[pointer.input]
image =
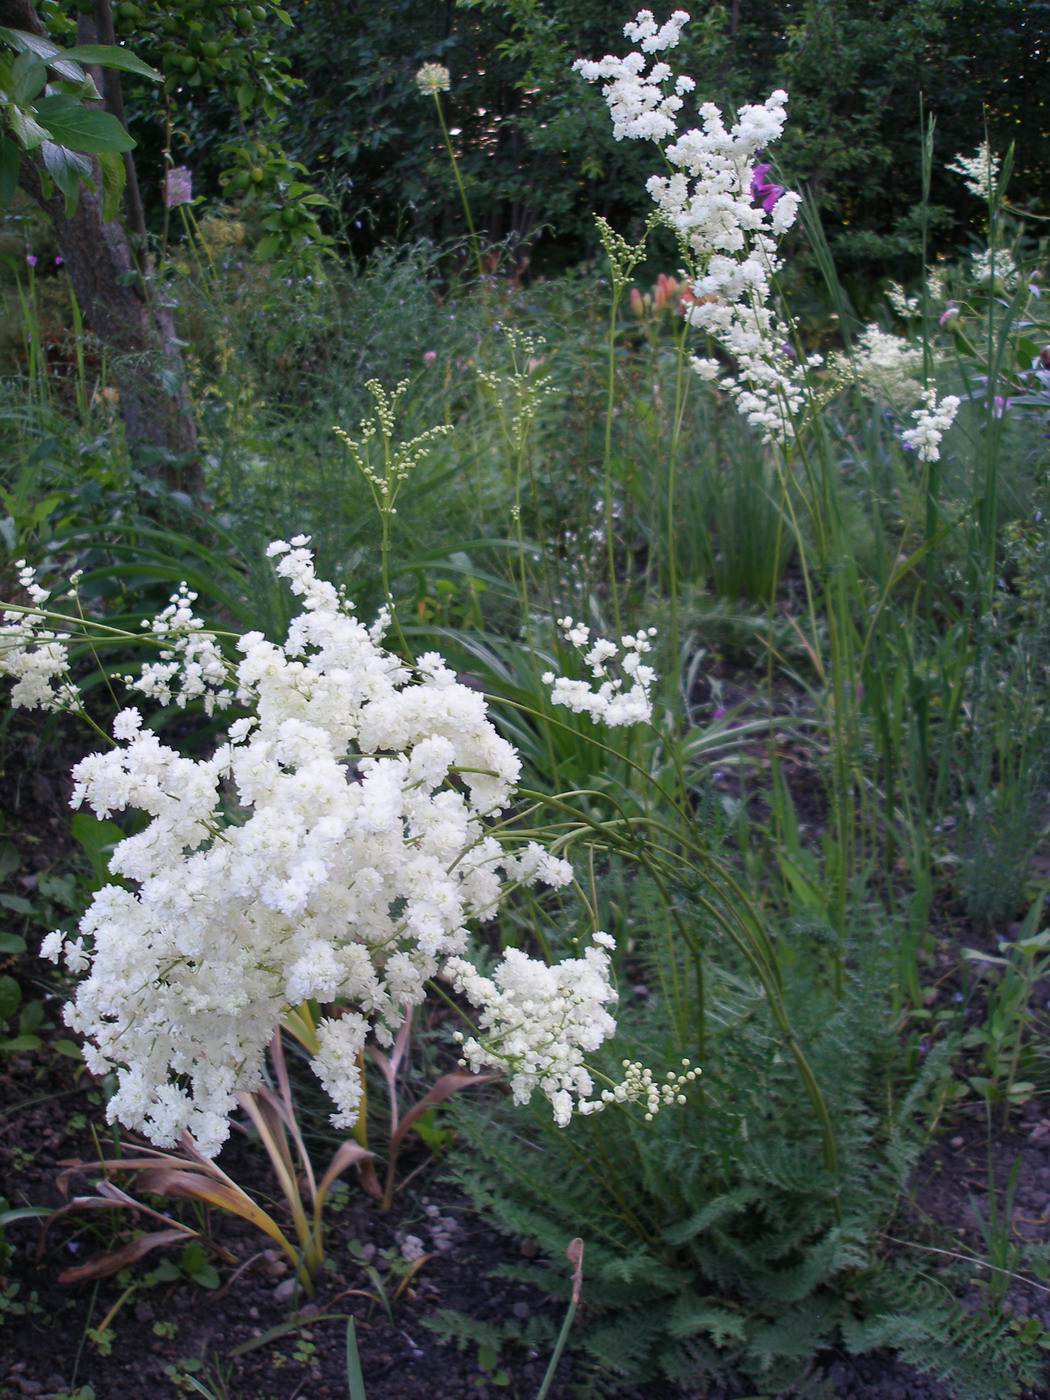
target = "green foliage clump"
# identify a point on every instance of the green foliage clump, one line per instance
(719, 1249)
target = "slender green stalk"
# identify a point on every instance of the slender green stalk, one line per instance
(474, 244)
(575, 1253)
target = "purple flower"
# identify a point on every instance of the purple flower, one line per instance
(58, 259)
(31, 259)
(178, 186)
(763, 191)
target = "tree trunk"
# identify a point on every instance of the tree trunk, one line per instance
(143, 352)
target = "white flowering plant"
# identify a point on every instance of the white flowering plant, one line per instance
(726, 215)
(330, 852)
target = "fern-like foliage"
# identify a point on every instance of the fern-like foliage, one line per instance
(719, 1249)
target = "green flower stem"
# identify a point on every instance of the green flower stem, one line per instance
(475, 245)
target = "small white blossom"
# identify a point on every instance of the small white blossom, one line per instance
(538, 1022)
(33, 654)
(905, 306)
(933, 420)
(191, 666)
(609, 702)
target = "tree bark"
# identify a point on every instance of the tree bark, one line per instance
(139, 338)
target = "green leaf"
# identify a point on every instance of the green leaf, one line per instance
(96, 839)
(17, 903)
(82, 128)
(10, 996)
(31, 1017)
(114, 176)
(12, 943)
(68, 169)
(112, 56)
(8, 171)
(28, 77)
(22, 42)
(26, 128)
(207, 1276)
(1027, 351)
(67, 1047)
(19, 1042)
(267, 247)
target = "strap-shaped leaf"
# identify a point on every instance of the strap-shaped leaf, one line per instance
(104, 1264)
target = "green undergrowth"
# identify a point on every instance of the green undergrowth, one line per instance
(719, 1250)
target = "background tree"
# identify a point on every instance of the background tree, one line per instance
(535, 147)
(73, 158)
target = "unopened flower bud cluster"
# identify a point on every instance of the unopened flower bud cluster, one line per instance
(333, 847)
(609, 703)
(639, 1086)
(727, 219)
(398, 459)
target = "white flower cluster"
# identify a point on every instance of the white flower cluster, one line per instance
(610, 703)
(908, 307)
(988, 268)
(932, 421)
(726, 216)
(883, 365)
(333, 848)
(33, 654)
(433, 78)
(980, 171)
(639, 107)
(191, 666)
(539, 1022)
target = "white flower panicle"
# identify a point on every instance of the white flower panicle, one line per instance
(726, 215)
(980, 171)
(33, 654)
(192, 665)
(991, 267)
(884, 366)
(640, 109)
(610, 703)
(908, 307)
(333, 847)
(538, 1022)
(932, 421)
